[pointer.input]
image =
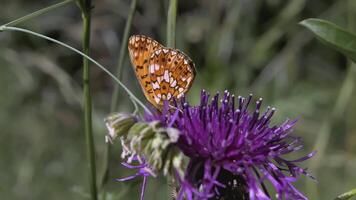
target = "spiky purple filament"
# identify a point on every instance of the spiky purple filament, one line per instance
(143, 170)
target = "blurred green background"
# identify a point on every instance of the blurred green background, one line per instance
(244, 46)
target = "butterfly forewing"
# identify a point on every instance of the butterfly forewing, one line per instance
(140, 49)
(163, 73)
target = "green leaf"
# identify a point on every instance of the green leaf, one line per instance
(333, 36)
(347, 195)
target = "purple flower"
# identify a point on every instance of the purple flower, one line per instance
(233, 151)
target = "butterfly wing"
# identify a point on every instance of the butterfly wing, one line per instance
(140, 50)
(163, 73)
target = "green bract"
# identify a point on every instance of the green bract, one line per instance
(119, 124)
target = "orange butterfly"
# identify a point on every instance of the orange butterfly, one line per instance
(163, 73)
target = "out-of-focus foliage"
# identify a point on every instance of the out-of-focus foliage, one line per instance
(245, 46)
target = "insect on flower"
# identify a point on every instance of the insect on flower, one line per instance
(163, 73)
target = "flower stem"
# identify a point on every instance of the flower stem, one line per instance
(171, 23)
(340, 106)
(37, 13)
(115, 96)
(88, 128)
(122, 54)
(171, 38)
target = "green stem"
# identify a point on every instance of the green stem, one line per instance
(171, 37)
(324, 133)
(171, 23)
(105, 173)
(129, 93)
(343, 98)
(115, 96)
(122, 55)
(88, 127)
(37, 13)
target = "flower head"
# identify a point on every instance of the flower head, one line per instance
(233, 151)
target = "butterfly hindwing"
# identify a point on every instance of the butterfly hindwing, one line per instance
(183, 72)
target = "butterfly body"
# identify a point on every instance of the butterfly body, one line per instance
(163, 73)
